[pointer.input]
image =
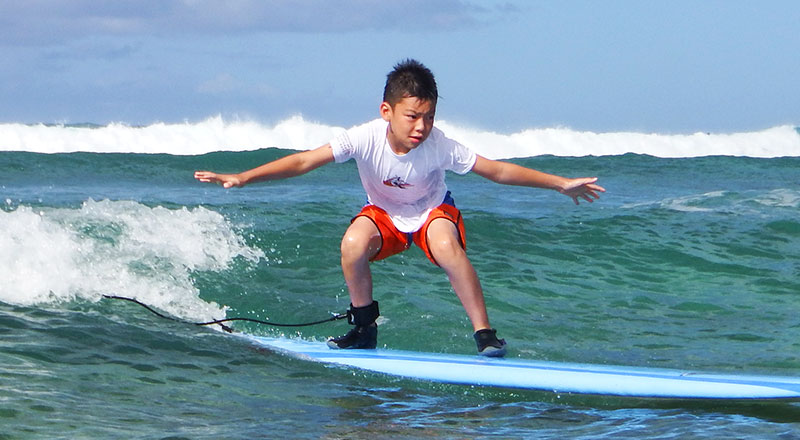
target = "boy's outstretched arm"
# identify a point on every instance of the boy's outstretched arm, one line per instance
(289, 166)
(511, 174)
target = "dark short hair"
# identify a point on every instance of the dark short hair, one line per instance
(410, 78)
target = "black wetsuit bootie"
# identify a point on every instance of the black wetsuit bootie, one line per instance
(488, 344)
(365, 333)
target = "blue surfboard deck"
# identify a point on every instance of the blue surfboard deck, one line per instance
(543, 375)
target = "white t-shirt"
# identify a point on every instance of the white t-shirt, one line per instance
(406, 186)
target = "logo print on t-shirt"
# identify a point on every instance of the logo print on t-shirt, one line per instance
(397, 182)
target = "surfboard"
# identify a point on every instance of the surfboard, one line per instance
(557, 377)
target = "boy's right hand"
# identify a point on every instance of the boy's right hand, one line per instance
(226, 180)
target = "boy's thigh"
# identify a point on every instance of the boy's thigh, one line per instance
(444, 227)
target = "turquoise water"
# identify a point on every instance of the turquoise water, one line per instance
(684, 263)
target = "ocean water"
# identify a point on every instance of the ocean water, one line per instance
(691, 260)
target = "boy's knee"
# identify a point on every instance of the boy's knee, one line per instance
(445, 247)
(357, 246)
(443, 241)
(352, 244)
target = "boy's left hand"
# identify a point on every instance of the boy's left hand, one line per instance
(583, 188)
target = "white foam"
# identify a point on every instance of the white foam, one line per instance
(774, 142)
(213, 134)
(781, 198)
(217, 134)
(744, 203)
(115, 247)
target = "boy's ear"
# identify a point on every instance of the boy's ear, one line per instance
(386, 111)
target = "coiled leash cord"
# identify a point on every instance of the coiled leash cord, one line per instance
(219, 322)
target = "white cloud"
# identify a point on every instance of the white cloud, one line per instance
(34, 22)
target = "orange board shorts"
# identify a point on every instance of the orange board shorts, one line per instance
(394, 241)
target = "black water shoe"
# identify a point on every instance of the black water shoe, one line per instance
(488, 344)
(359, 337)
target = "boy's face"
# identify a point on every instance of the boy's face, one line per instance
(410, 122)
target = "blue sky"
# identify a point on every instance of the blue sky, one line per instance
(651, 66)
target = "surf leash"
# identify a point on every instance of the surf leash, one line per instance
(220, 322)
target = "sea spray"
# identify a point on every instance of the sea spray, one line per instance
(217, 134)
(212, 134)
(774, 142)
(53, 255)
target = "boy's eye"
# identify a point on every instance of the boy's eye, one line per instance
(426, 117)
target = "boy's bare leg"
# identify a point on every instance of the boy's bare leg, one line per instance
(446, 249)
(361, 241)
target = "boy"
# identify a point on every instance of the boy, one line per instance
(401, 160)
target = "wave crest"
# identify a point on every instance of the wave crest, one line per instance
(217, 134)
(53, 255)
